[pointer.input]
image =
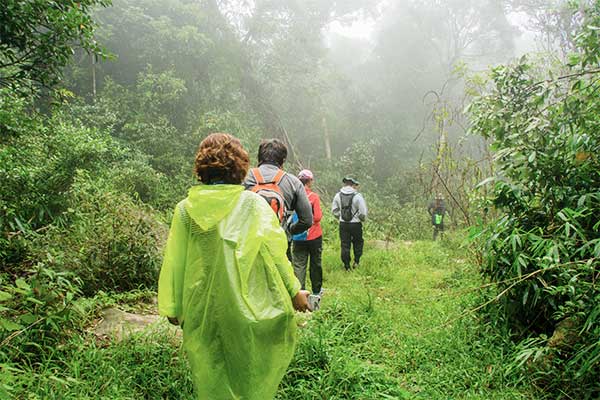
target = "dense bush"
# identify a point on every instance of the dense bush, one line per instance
(37, 311)
(142, 118)
(390, 220)
(108, 240)
(544, 252)
(38, 161)
(135, 177)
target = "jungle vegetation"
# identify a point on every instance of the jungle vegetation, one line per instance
(493, 104)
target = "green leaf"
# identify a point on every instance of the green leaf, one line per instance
(5, 296)
(597, 250)
(574, 59)
(28, 318)
(9, 325)
(34, 300)
(19, 224)
(22, 284)
(486, 181)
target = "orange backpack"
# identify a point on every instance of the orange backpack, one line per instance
(271, 192)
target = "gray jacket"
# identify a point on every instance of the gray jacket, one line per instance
(294, 196)
(359, 205)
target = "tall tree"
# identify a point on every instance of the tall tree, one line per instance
(37, 39)
(281, 50)
(556, 22)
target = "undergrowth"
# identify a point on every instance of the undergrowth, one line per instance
(396, 328)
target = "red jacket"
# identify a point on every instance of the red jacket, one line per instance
(315, 231)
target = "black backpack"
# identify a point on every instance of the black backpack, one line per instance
(346, 205)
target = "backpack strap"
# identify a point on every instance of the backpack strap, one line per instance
(350, 195)
(278, 177)
(258, 176)
(260, 180)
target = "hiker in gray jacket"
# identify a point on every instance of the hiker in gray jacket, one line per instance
(272, 153)
(350, 207)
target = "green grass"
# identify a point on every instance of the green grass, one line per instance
(396, 328)
(388, 330)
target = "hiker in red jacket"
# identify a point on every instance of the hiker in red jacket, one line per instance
(309, 244)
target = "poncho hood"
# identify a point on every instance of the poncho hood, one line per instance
(207, 205)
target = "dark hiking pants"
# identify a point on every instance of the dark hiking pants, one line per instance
(302, 251)
(351, 235)
(438, 228)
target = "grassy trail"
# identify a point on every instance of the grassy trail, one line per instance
(383, 333)
(393, 329)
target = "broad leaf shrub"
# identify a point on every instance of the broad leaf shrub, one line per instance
(135, 177)
(108, 240)
(544, 251)
(38, 314)
(38, 160)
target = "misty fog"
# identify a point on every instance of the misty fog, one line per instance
(367, 72)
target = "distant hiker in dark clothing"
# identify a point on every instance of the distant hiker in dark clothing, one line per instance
(309, 244)
(437, 210)
(284, 192)
(350, 208)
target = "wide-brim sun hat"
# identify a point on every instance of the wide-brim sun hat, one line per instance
(351, 180)
(306, 174)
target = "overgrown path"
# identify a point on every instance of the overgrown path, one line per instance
(400, 327)
(396, 328)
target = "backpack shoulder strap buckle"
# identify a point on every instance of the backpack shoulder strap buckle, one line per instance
(278, 176)
(260, 180)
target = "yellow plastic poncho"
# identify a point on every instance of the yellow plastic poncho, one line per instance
(227, 279)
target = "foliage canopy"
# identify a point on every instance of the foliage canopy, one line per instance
(37, 39)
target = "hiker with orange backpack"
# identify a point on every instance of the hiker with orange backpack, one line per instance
(284, 192)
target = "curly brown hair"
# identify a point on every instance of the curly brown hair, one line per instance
(221, 158)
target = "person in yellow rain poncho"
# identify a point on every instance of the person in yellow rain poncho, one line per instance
(227, 281)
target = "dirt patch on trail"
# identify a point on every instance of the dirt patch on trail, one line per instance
(382, 244)
(118, 324)
(389, 245)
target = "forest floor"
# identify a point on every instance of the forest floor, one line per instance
(398, 327)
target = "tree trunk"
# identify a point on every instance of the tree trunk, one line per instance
(94, 77)
(252, 90)
(326, 138)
